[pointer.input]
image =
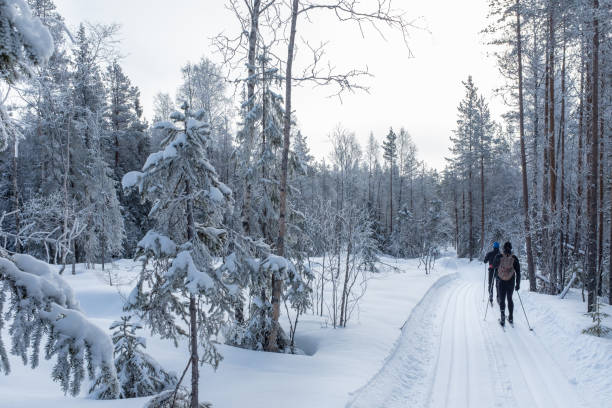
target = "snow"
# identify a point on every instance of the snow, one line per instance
(177, 116)
(215, 194)
(275, 264)
(157, 243)
(449, 356)
(73, 324)
(372, 363)
(165, 125)
(225, 189)
(31, 29)
(196, 279)
(38, 279)
(195, 125)
(169, 152)
(57, 307)
(131, 179)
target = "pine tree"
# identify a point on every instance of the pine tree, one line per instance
(91, 184)
(178, 273)
(127, 146)
(390, 154)
(138, 373)
(463, 148)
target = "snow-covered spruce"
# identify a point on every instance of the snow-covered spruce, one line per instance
(24, 41)
(138, 373)
(41, 304)
(257, 214)
(179, 280)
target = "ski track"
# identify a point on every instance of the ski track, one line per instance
(463, 361)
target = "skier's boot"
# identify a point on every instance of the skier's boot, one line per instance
(491, 300)
(510, 320)
(502, 320)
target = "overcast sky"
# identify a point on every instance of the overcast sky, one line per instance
(421, 93)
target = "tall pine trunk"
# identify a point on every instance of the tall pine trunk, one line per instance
(552, 174)
(593, 143)
(482, 202)
(16, 206)
(564, 222)
(277, 283)
(530, 266)
(579, 176)
(251, 57)
(391, 197)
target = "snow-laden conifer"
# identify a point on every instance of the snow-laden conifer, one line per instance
(180, 279)
(138, 373)
(41, 306)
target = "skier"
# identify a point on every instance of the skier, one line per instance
(508, 273)
(490, 257)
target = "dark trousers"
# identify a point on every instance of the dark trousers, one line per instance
(490, 283)
(505, 289)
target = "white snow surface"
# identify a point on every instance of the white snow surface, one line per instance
(449, 356)
(445, 355)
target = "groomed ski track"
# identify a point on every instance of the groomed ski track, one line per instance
(448, 356)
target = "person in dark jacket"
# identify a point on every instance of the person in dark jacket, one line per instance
(508, 273)
(490, 257)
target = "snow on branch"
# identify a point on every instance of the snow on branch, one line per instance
(40, 302)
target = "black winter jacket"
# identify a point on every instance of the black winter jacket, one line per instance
(490, 257)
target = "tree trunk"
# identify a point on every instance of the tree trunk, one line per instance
(471, 215)
(276, 283)
(463, 216)
(391, 197)
(16, 206)
(579, 175)
(251, 58)
(456, 218)
(482, 201)
(552, 173)
(565, 224)
(600, 245)
(530, 266)
(346, 278)
(593, 142)
(322, 284)
(551, 118)
(193, 340)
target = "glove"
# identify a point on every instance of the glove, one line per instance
(517, 287)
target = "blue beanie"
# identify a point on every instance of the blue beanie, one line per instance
(496, 244)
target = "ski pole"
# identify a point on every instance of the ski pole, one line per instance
(484, 283)
(523, 307)
(486, 310)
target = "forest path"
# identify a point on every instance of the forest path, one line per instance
(448, 356)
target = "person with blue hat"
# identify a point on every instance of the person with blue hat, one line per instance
(490, 257)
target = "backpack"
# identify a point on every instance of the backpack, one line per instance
(506, 268)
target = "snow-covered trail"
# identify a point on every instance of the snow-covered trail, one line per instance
(448, 356)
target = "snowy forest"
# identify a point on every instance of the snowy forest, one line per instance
(205, 253)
